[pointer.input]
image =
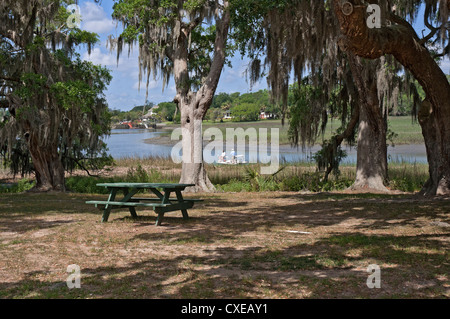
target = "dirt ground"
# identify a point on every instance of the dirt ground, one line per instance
(235, 245)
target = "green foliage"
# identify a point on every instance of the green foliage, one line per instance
(138, 174)
(221, 102)
(77, 37)
(214, 114)
(235, 185)
(308, 115)
(32, 84)
(248, 24)
(55, 100)
(310, 182)
(166, 111)
(245, 112)
(222, 99)
(22, 186)
(130, 34)
(260, 98)
(193, 5)
(88, 185)
(293, 178)
(141, 175)
(74, 94)
(329, 156)
(313, 182)
(407, 177)
(177, 118)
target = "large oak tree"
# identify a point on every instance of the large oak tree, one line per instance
(316, 35)
(186, 40)
(398, 38)
(301, 35)
(54, 100)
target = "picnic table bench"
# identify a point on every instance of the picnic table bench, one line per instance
(161, 205)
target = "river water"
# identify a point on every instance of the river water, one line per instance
(131, 143)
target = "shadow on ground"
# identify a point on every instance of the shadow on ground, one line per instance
(238, 246)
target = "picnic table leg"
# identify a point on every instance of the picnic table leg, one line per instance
(159, 218)
(180, 200)
(126, 198)
(166, 197)
(107, 210)
(165, 200)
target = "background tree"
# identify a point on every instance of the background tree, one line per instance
(167, 111)
(57, 111)
(221, 99)
(214, 114)
(174, 41)
(302, 36)
(245, 112)
(397, 37)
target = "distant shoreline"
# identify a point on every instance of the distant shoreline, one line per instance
(406, 132)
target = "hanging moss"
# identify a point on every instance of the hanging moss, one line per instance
(55, 100)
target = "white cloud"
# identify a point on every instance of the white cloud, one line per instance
(98, 57)
(103, 56)
(95, 19)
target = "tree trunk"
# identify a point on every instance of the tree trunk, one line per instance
(438, 150)
(47, 166)
(371, 166)
(371, 163)
(402, 42)
(193, 167)
(194, 105)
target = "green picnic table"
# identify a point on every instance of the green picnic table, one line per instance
(161, 204)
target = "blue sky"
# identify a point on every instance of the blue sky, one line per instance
(123, 93)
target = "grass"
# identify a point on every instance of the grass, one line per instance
(406, 129)
(234, 246)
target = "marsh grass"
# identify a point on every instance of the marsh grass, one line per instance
(293, 177)
(301, 176)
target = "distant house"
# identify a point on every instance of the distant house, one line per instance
(266, 116)
(151, 113)
(227, 115)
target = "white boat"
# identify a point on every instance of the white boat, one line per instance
(239, 159)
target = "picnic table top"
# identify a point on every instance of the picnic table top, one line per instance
(145, 185)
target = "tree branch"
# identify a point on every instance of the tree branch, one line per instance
(82, 167)
(401, 42)
(206, 93)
